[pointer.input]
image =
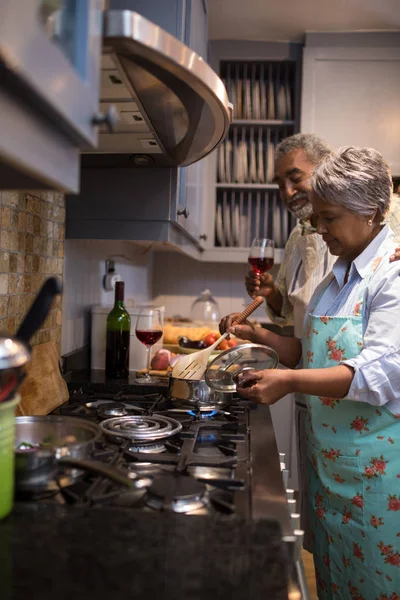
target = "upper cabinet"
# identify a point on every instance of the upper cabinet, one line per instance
(351, 91)
(50, 61)
(241, 201)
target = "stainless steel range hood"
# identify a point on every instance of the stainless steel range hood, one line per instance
(173, 108)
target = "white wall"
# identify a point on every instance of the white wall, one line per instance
(178, 280)
(84, 268)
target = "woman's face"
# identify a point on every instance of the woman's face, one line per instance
(345, 233)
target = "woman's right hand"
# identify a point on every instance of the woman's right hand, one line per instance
(244, 331)
(259, 284)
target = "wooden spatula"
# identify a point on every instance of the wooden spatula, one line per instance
(193, 366)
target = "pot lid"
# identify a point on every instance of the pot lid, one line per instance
(173, 108)
(221, 372)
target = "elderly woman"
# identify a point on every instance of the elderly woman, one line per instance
(350, 375)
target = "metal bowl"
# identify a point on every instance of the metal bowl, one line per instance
(66, 437)
(197, 394)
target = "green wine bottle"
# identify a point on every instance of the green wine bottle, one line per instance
(118, 337)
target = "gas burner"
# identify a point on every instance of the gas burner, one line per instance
(141, 429)
(180, 494)
(204, 414)
(112, 409)
(155, 448)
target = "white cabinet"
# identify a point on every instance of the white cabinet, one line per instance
(351, 91)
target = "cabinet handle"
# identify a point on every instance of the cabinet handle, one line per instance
(203, 236)
(184, 211)
(109, 118)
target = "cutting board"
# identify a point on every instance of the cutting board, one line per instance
(43, 388)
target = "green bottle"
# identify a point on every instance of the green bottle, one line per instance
(118, 337)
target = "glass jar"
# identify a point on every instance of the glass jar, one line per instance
(205, 309)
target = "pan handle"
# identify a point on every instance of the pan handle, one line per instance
(98, 468)
(39, 310)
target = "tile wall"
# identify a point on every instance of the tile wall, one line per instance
(32, 235)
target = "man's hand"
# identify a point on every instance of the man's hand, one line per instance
(259, 285)
(244, 331)
(395, 256)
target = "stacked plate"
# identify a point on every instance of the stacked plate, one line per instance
(242, 216)
(248, 156)
(259, 94)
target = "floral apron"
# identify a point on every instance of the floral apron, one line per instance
(354, 472)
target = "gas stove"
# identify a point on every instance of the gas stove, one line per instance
(214, 462)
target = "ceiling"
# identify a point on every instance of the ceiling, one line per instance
(288, 20)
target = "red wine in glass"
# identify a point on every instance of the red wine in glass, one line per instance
(261, 255)
(148, 338)
(149, 329)
(261, 265)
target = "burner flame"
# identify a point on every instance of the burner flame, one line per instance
(209, 414)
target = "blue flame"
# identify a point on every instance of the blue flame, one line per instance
(203, 414)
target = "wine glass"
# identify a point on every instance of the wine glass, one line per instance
(149, 329)
(261, 255)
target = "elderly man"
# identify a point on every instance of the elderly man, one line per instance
(306, 262)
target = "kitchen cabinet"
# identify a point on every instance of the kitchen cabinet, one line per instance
(240, 200)
(184, 19)
(351, 90)
(50, 57)
(141, 205)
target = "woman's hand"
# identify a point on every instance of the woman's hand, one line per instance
(259, 284)
(265, 387)
(245, 331)
(395, 256)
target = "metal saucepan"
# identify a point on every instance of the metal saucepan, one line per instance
(65, 446)
(15, 351)
(197, 394)
(222, 376)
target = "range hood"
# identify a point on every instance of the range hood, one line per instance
(173, 108)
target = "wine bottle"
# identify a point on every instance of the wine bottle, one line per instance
(118, 337)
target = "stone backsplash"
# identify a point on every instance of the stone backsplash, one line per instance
(32, 231)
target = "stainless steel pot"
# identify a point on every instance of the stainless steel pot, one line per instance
(36, 470)
(67, 437)
(197, 394)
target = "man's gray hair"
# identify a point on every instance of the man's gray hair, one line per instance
(357, 178)
(313, 147)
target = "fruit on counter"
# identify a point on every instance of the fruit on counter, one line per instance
(211, 338)
(172, 333)
(160, 360)
(163, 359)
(185, 342)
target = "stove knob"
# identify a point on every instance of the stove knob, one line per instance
(295, 517)
(290, 494)
(292, 506)
(282, 456)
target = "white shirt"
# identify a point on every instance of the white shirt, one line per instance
(305, 263)
(377, 367)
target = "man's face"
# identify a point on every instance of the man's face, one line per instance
(292, 173)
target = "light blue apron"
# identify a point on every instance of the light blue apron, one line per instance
(354, 472)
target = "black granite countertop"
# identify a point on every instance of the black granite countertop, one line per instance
(52, 552)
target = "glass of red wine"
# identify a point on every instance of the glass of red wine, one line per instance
(149, 329)
(261, 255)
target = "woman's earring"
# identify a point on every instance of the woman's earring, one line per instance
(369, 222)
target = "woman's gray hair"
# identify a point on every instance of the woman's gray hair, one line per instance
(313, 147)
(357, 178)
